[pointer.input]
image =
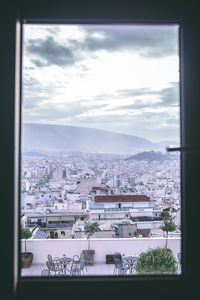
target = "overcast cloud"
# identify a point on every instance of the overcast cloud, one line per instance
(148, 41)
(50, 52)
(118, 78)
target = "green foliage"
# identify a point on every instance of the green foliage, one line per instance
(168, 225)
(25, 233)
(158, 261)
(165, 215)
(90, 228)
(43, 224)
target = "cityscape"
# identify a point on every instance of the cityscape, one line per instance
(126, 196)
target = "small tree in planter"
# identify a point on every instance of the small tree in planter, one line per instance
(168, 226)
(27, 257)
(90, 228)
(156, 261)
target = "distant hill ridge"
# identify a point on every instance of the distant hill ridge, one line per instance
(150, 156)
(43, 137)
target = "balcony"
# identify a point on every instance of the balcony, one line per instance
(70, 247)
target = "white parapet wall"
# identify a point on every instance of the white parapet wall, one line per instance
(70, 247)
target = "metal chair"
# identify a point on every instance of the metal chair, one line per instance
(54, 265)
(179, 256)
(76, 258)
(45, 272)
(121, 268)
(83, 258)
(179, 259)
(131, 260)
(116, 256)
(77, 268)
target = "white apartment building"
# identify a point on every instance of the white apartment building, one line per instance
(122, 206)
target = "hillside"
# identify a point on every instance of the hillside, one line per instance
(150, 156)
(42, 137)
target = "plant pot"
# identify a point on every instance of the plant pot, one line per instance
(89, 257)
(26, 259)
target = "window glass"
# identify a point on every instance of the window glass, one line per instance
(100, 106)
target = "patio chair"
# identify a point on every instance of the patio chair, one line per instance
(83, 258)
(77, 268)
(76, 258)
(54, 265)
(179, 256)
(45, 272)
(179, 259)
(131, 260)
(121, 268)
(116, 256)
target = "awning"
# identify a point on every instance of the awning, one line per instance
(53, 218)
(164, 206)
(67, 218)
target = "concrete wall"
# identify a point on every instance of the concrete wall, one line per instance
(71, 247)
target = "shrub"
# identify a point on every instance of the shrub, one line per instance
(156, 261)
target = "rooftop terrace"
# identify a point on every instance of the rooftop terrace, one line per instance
(70, 247)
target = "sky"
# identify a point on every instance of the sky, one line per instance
(121, 78)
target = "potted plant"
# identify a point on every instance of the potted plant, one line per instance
(168, 226)
(26, 257)
(156, 261)
(90, 228)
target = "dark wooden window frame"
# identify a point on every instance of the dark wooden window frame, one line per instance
(126, 12)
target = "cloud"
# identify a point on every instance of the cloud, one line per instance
(136, 92)
(148, 41)
(170, 96)
(53, 29)
(167, 97)
(141, 111)
(39, 63)
(50, 52)
(55, 111)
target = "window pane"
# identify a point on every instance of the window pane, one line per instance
(100, 106)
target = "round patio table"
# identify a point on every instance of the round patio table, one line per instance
(65, 261)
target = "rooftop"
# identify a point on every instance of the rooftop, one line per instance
(102, 247)
(96, 269)
(122, 198)
(99, 188)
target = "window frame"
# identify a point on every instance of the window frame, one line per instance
(189, 136)
(93, 278)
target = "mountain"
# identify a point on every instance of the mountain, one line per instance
(42, 137)
(150, 156)
(34, 154)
